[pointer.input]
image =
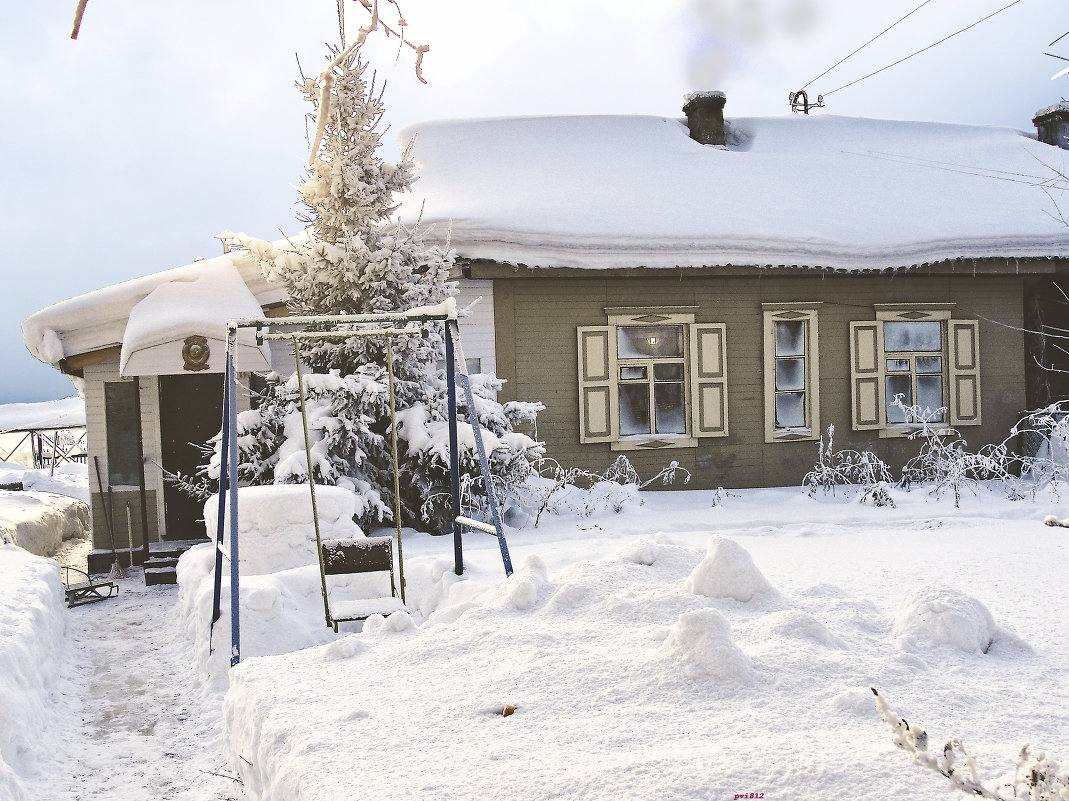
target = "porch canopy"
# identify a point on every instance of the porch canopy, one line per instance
(180, 327)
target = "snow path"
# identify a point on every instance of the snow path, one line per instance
(130, 721)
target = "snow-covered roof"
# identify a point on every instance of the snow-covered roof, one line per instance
(48, 415)
(835, 192)
(176, 310)
(99, 319)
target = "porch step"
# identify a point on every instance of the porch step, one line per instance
(161, 566)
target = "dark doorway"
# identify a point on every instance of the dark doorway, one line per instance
(191, 409)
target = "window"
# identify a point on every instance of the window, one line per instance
(920, 356)
(121, 421)
(792, 408)
(652, 378)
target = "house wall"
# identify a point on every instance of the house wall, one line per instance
(537, 317)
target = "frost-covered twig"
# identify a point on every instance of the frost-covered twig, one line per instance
(1043, 780)
(325, 81)
(857, 468)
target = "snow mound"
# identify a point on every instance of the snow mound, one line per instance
(796, 625)
(934, 616)
(275, 527)
(31, 636)
(700, 643)
(281, 597)
(40, 522)
(525, 588)
(396, 622)
(727, 571)
(641, 552)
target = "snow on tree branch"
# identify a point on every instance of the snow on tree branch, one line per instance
(1043, 780)
(325, 82)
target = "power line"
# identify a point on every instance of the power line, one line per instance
(870, 41)
(923, 49)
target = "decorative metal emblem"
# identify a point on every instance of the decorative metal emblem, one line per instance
(195, 353)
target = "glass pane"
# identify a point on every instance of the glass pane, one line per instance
(790, 374)
(929, 364)
(671, 418)
(643, 341)
(897, 365)
(634, 409)
(790, 410)
(915, 336)
(672, 371)
(898, 385)
(930, 395)
(790, 338)
(632, 373)
(120, 414)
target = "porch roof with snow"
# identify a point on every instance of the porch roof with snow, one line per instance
(142, 319)
(600, 192)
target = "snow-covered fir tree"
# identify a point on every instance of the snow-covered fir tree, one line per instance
(354, 258)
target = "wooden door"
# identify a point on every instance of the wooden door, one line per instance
(191, 409)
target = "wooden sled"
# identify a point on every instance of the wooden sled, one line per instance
(79, 587)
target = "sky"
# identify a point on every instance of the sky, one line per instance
(122, 153)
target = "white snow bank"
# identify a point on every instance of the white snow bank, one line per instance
(39, 522)
(280, 612)
(607, 709)
(281, 600)
(933, 616)
(728, 571)
(31, 632)
(275, 526)
(44, 416)
(700, 642)
(628, 191)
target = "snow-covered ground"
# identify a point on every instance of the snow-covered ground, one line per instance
(678, 650)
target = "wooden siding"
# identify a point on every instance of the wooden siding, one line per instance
(537, 318)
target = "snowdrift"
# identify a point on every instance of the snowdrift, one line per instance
(31, 636)
(281, 601)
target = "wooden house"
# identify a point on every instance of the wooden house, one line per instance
(718, 292)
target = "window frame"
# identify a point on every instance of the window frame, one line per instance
(960, 367)
(704, 378)
(807, 313)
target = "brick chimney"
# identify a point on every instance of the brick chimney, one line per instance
(1052, 124)
(705, 117)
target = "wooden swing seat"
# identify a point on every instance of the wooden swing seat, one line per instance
(81, 589)
(354, 556)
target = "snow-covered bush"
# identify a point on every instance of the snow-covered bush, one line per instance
(577, 490)
(1045, 435)
(356, 259)
(1042, 780)
(944, 462)
(863, 469)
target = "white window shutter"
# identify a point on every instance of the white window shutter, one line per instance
(597, 383)
(866, 375)
(964, 372)
(708, 380)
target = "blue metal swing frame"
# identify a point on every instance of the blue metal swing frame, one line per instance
(228, 459)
